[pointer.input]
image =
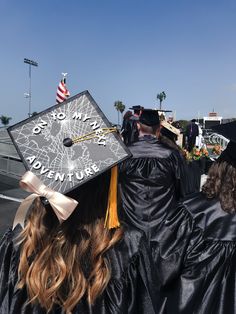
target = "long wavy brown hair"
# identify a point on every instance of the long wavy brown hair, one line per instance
(221, 183)
(62, 263)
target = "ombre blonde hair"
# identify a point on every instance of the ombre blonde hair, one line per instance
(221, 184)
(61, 264)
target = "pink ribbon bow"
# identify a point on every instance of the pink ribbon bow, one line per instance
(62, 205)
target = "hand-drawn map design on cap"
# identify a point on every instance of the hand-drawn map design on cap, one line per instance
(69, 143)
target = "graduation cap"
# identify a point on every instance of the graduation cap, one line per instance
(138, 107)
(149, 117)
(69, 143)
(169, 130)
(170, 127)
(228, 130)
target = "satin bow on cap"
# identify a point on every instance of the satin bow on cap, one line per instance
(62, 205)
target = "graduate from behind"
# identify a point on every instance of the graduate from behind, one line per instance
(152, 181)
(70, 253)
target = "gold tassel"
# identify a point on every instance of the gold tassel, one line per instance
(112, 220)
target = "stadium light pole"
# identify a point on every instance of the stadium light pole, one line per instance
(29, 94)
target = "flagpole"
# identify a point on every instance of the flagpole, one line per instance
(29, 95)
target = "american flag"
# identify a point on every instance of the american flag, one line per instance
(62, 91)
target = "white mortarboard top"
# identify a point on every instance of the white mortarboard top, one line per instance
(170, 127)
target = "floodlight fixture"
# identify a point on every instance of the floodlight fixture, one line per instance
(30, 62)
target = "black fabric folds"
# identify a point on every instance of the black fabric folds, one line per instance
(151, 184)
(193, 176)
(132, 288)
(196, 259)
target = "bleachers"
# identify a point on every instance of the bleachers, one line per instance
(10, 162)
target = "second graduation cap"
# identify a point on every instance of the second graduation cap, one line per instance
(68, 144)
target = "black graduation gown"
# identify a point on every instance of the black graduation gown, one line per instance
(129, 131)
(196, 259)
(132, 288)
(151, 183)
(192, 131)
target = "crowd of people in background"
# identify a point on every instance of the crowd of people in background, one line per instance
(191, 233)
(192, 135)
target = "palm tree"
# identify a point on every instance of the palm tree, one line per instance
(120, 107)
(5, 120)
(161, 97)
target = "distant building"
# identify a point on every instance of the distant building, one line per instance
(212, 119)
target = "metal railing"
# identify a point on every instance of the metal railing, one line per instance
(10, 162)
(11, 167)
(218, 139)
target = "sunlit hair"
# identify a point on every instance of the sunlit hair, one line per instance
(60, 264)
(221, 183)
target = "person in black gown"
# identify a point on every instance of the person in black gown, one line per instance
(151, 182)
(129, 129)
(126, 127)
(192, 131)
(78, 266)
(196, 254)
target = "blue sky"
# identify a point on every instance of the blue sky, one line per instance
(126, 50)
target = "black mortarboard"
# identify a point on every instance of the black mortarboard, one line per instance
(228, 130)
(136, 108)
(69, 143)
(149, 117)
